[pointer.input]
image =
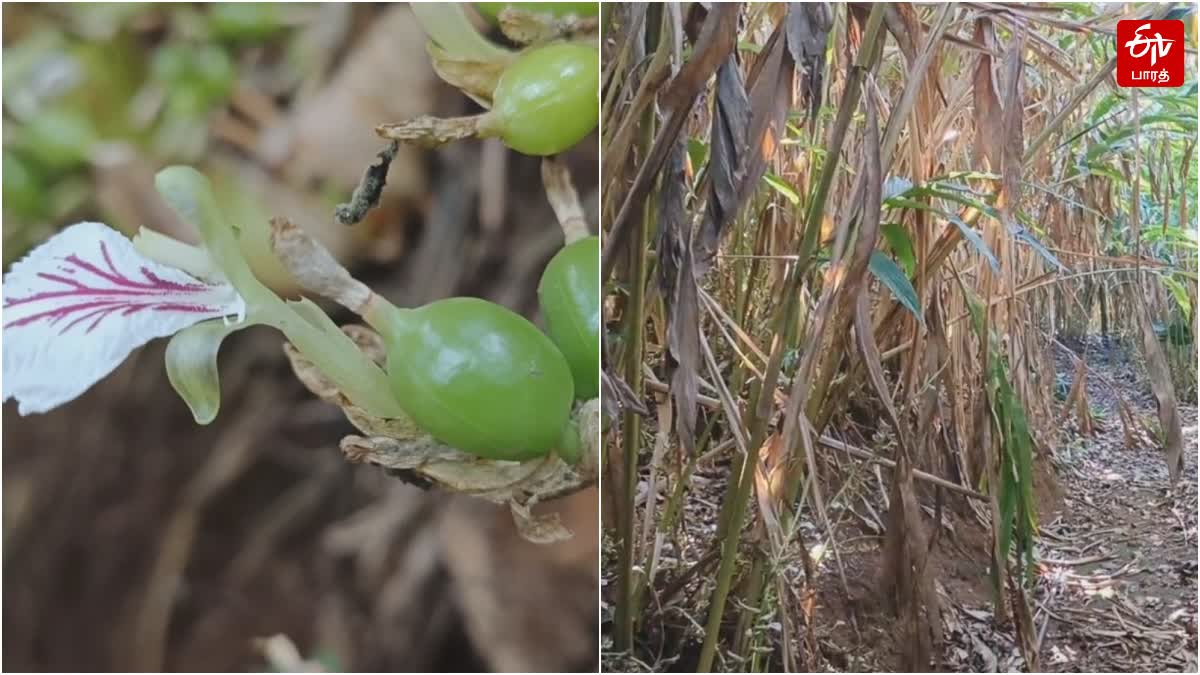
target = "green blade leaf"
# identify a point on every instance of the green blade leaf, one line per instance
(972, 236)
(1179, 292)
(890, 275)
(697, 152)
(1024, 236)
(786, 191)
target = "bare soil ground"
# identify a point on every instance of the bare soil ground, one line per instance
(1116, 587)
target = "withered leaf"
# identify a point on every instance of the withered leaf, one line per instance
(715, 44)
(988, 124)
(727, 141)
(1012, 117)
(677, 281)
(808, 25)
(618, 396)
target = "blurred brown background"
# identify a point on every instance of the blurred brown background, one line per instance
(135, 539)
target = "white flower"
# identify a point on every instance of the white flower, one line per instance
(76, 306)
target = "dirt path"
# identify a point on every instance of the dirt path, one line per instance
(1123, 594)
(1117, 578)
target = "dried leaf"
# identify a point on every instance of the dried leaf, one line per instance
(1012, 118)
(1164, 394)
(677, 281)
(618, 395)
(808, 26)
(715, 43)
(547, 529)
(398, 445)
(726, 171)
(477, 79)
(769, 487)
(988, 125)
(713, 46)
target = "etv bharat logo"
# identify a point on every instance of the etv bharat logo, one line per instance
(1150, 53)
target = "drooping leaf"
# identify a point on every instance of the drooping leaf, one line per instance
(1012, 119)
(1026, 237)
(77, 305)
(726, 163)
(713, 46)
(976, 240)
(715, 42)
(677, 284)
(890, 275)
(988, 124)
(808, 27)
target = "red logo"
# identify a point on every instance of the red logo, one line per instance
(1150, 53)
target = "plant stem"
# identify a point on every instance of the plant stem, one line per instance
(734, 510)
(334, 354)
(626, 612)
(447, 25)
(785, 317)
(556, 178)
(189, 193)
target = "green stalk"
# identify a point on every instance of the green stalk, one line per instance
(626, 610)
(785, 317)
(872, 46)
(733, 510)
(447, 25)
(753, 590)
(189, 193)
(733, 513)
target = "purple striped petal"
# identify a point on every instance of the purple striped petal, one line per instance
(77, 305)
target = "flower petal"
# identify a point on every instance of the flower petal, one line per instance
(192, 366)
(76, 306)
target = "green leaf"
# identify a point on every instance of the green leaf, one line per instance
(959, 196)
(192, 366)
(972, 236)
(902, 202)
(1098, 169)
(1024, 236)
(749, 46)
(1179, 292)
(965, 175)
(890, 275)
(697, 152)
(1106, 104)
(901, 245)
(786, 191)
